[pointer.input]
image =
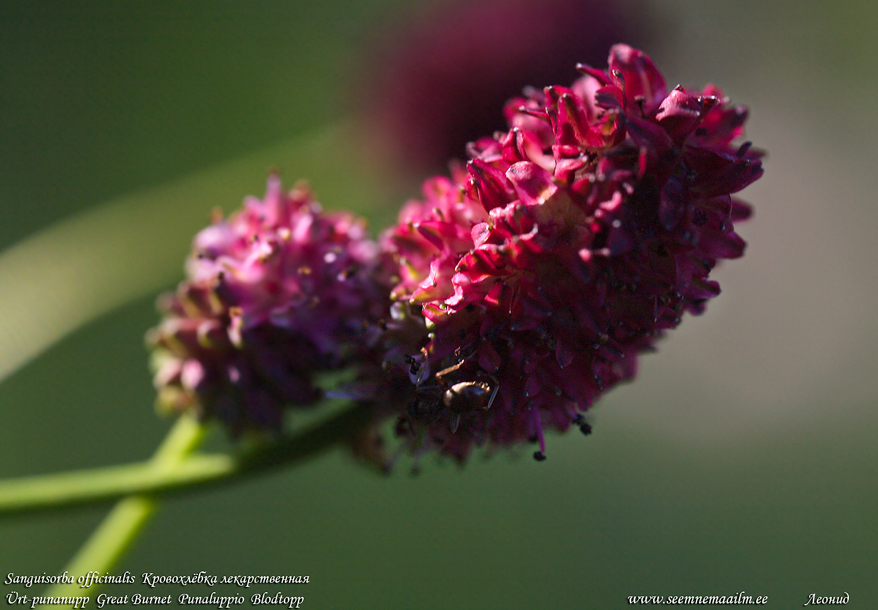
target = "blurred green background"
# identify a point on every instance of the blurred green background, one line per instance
(742, 459)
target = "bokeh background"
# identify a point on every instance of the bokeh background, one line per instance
(742, 459)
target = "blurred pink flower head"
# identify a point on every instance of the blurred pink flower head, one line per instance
(564, 249)
(275, 294)
(435, 83)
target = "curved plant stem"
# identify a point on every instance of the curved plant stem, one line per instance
(116, 534)
(165, 475)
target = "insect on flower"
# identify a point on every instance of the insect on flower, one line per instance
(458, 398)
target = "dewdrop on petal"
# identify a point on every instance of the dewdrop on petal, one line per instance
(275, 294)
(567, 246)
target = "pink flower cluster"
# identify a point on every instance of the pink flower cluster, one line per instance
(276, 294)
(565, 248)
(505, 302)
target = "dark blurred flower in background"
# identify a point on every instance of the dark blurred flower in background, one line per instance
(275, 294)
(433, 83)
(567, 246)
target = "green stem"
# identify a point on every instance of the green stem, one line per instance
(162, 476)
(117, 533)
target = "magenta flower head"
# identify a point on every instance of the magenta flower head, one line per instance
(275, 294)
(565, 248)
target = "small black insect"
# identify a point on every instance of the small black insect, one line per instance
(458, 398)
